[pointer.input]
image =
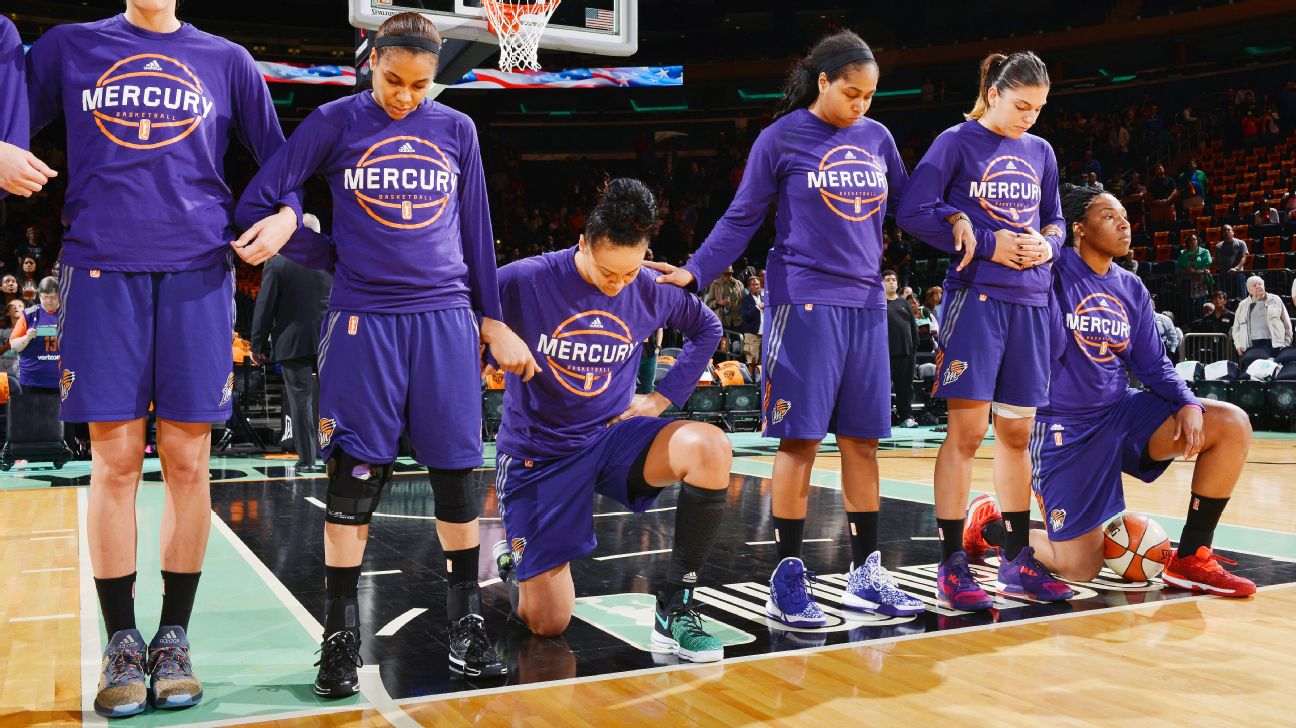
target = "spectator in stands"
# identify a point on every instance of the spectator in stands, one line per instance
(1194, 183)
(1250, 129)
(1261, 326)
(902, 339)
(1217, 320)
(722, 353)
(1169, 333)
(933, 300)
(1232, 255)
(753, 321)
(927, 326)
(9, 288)
(1265, 215)
(1091, 165)
(1162, 194)
(1090, 179)
(1134, 198)
(646, 381)
(29, 272)
(38, 366)
(1193, 269)
(1129, 263)
(724, 296)
(8, 355)
(899, 256)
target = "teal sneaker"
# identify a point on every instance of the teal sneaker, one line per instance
(678, 627)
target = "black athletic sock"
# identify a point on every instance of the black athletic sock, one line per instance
(178, 591)
(1199, 529)
(117, 602)
(994, 533)
(698, 513)
(1016, 533)
(461, 565)
(862, 527)
(950, 532)
(788, 534)
(341, 583)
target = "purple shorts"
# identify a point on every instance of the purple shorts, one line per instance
(548, 505)
(128, 339)
(383, 374)
(1076, 467)
(992, 351)
(825, 369)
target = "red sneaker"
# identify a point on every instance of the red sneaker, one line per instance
(1201, 573)
(981, 511)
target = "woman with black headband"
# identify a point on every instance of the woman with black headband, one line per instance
(415, 266)
(835, 174)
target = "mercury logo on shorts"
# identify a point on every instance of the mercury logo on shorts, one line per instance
(326, 427)
(1057, 519)
(851, 181)
(1009, 189)
(147, 101)
(518, 545)
(227, 392)
(65, 384)
(954, 371)
(584, 350)
(780, 411)
(403, 182)
(1100, 325)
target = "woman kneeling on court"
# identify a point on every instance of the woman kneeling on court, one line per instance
(1095, 426)
(578, 428)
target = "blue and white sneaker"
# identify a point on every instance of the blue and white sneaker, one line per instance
(870, 588)
(791, 600)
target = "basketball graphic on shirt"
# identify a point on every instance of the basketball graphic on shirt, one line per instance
(585, 349)
(1100, 325)
(1009, 190)
(852, 182)
(403, 182)
(147, 101)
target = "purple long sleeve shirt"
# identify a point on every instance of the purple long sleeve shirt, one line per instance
(1103, 325)
(13, 89)
(588, 346)
(833, 187)
(1002, 184)
(411, 223)
(149, 118)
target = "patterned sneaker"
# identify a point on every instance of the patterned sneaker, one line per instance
(956, 588)
(982, 511)
(339, 664)
(791, 600)
(1201, 573)
(678, 627)
(171, 679)
(121, 677)
(1025, 576)
(870, 588)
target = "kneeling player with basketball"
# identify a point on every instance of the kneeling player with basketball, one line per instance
(578, 428)
(1095, 426)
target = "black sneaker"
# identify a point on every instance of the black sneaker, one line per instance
(471, 653)
(338, 665)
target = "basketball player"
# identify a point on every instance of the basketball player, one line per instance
(151, 105)
(21, 173)
(415, 263)
(835, 174)
(579, 428)
(1095, 426)
(981, 191)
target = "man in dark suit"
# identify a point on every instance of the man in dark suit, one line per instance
(289, 310)
(902, 338)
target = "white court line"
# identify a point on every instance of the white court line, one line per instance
(269, 717)
(631, 513)
(804, 540)
(91, 647)
(372, 686)
(489, 582)
(380, 573)
(56, 530)
(923, 538)
(626, 556)
(43, 571)
(806, 650)
(51, 538)
(394, 626)
(42, 618)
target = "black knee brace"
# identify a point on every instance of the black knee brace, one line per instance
(453, 495)
(354, 489)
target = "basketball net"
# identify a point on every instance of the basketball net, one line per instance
(519, 26)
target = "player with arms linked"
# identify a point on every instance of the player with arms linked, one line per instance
(578, 428)
(1095, 426)
(981, 193)
(414, 264)
(147, 290)
(833, 174)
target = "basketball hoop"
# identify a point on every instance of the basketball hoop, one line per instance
(519, 26)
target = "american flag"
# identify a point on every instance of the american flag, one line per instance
(599, 19)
